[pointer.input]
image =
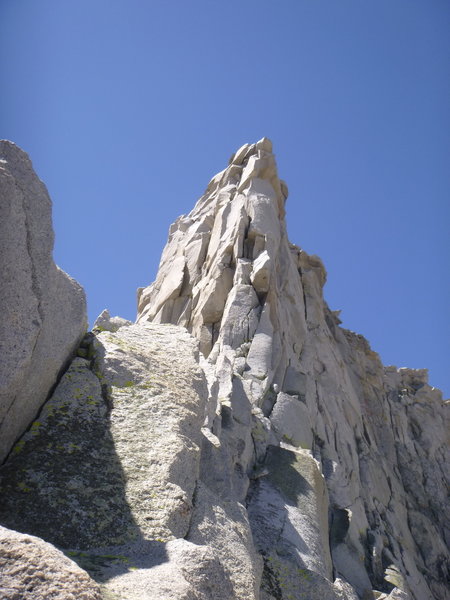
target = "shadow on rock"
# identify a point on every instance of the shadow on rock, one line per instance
(103, 564)
(284, 473)
(64, 482)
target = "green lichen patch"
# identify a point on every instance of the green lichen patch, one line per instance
(95, 564)
(64, 481)
(286, 473)
(286, 579)
(113, 457)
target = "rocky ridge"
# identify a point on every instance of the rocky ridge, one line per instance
(263, 454)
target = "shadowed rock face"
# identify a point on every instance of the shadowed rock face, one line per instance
(43, 310)
(281, 462)
(108, 470)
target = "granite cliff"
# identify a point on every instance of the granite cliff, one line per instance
(43, 310)
(235, 442)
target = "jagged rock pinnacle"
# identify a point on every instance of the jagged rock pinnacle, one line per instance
(318, 402)
(233, 239)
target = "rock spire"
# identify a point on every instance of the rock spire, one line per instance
(341, 441)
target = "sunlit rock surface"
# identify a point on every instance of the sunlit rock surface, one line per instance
(236, 443)
(43, 310)
(31, 569)
(340, 462)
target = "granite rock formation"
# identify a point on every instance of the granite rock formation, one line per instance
(43, 310)
(236, 443)
(114, 458)
(341, 463)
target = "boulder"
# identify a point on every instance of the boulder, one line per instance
(32, 569)
(104, 322)
(114, 458)
(114, 455)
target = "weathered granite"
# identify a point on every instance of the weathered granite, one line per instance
(176, 570)
(105, 322)
(31, 569)
(43, 310)
(136, 410)
(286, 381)
(114, 458)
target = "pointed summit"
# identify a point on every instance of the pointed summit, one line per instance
(227, 248)
(304, 426)
(230, 276)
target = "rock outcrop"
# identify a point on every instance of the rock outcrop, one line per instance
(43, 310)
(114, 459)
(236, 443)
(341, 463)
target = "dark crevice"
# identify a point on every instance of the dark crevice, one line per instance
(185, 284)
(270, 582)
(303, 290)
(336, 440)
(268, 402)
(106, 395)
(366, 435)
(339, 525)
(88, 344)
(261, 297)
(194, 504)
(248, 242)
(215, 331)
(34, 277)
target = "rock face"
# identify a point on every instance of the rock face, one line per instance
(43, 310)
(267, 456)
(339, 462)
(114, 458)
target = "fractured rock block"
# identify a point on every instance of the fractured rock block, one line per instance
(43, 310)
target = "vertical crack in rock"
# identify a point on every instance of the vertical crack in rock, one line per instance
(35, 281)
(304, 295)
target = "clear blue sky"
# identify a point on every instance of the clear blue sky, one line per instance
(128, 108)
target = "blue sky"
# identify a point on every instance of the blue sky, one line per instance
(127, 109)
